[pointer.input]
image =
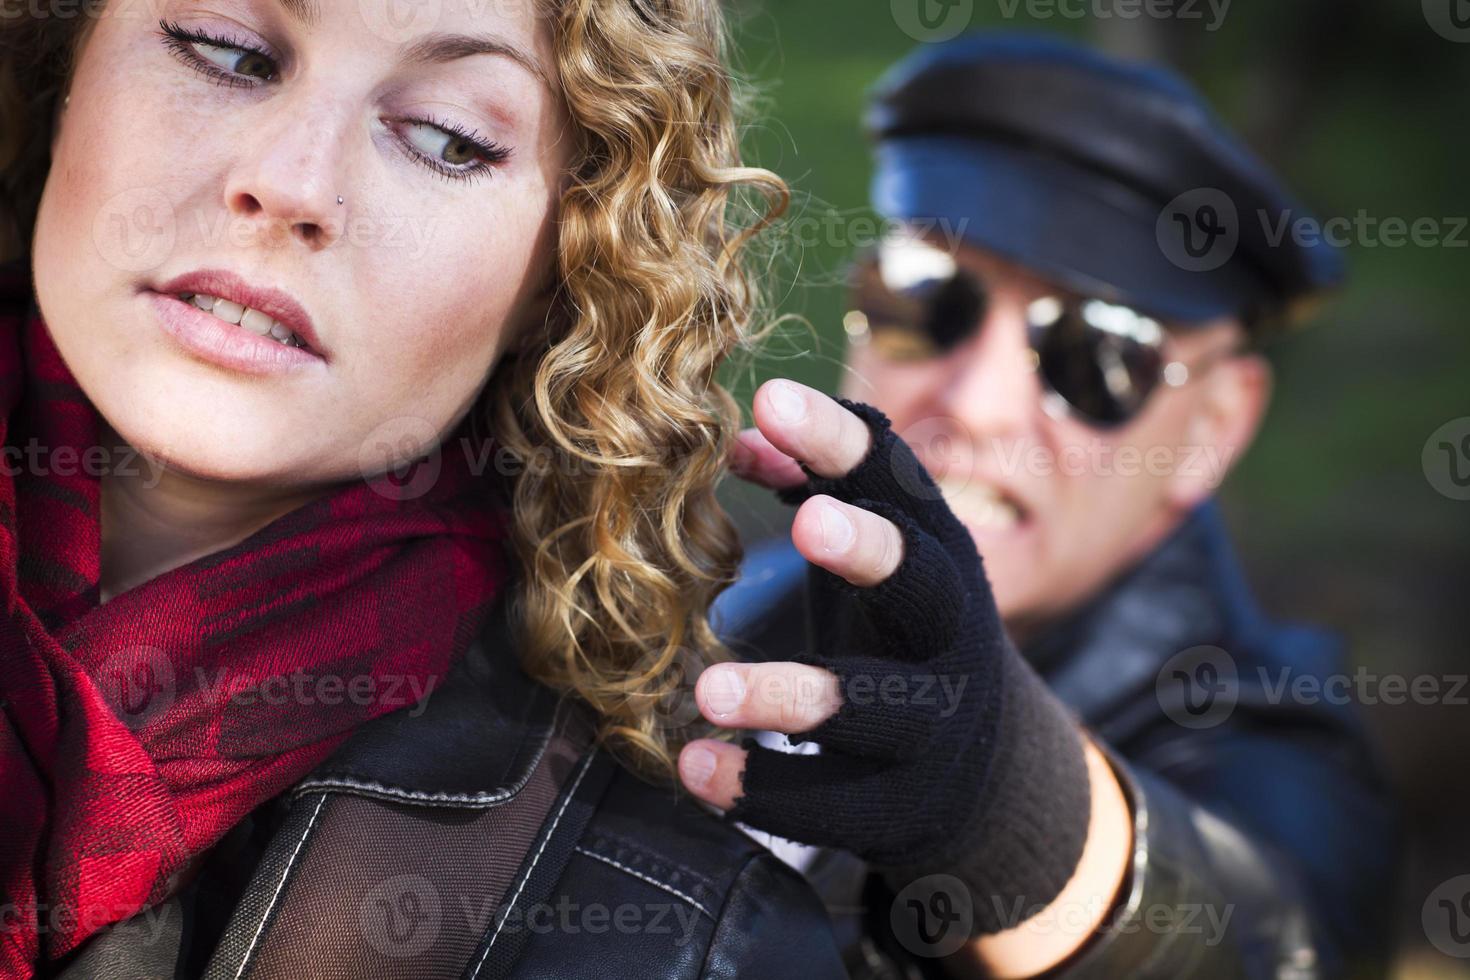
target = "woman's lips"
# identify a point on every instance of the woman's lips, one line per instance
(277, 304)
(224, 344)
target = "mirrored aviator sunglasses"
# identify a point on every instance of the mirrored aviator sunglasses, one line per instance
(1099, 361)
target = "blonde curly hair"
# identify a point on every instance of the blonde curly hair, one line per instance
(614, 407)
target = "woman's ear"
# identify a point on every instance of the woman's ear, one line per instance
(1233, 400)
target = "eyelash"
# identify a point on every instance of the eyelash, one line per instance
(178, 39)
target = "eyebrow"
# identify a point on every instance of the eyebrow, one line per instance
(433, 49)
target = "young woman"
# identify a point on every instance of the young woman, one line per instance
(262, 710)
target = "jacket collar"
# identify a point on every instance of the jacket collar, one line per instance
(1187, 592)
(472, 741)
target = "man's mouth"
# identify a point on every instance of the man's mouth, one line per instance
(982, 505)
(250, 319)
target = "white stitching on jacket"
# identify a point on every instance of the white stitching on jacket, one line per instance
(422, 798)
(643, 877)
(376, 789)
(265, 917)
(505, 913)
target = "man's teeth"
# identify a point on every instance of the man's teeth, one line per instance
(253, 320)
(980, 505)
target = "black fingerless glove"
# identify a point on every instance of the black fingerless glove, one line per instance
(948, 755)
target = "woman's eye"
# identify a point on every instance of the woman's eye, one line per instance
(446, 149)
(223, 60)
(450, 150)
(240, 61)
(449, 147)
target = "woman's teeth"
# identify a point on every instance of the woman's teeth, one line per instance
(253, 320)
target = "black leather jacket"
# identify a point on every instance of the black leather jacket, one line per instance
(1265, 842)
(395, 859)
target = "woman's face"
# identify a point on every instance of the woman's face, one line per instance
(187, 164)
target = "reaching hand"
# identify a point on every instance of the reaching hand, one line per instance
(938, 743)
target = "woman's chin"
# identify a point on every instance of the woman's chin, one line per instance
(222, 453)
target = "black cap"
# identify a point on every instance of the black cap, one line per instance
(1110, 178)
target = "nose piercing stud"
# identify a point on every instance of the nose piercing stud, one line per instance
(339, 198)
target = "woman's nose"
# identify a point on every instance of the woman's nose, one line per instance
(286, 180)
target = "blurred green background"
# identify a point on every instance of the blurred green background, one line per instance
(1362, 106)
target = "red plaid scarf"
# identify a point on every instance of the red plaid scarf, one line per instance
(134, 734)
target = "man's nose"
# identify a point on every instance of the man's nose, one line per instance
(993, 389)
(286, 180)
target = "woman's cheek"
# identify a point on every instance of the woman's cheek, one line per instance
(435, 357)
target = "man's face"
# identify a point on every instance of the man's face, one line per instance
(1057, 506)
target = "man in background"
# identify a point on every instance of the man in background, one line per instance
(1067, 332)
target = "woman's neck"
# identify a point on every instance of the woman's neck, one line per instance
(155, 519)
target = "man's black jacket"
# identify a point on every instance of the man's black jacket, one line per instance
(1265, 842)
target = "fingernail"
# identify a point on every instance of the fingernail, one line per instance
(724, 692)
(787, 401)
(837, 530)
(697, 765)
